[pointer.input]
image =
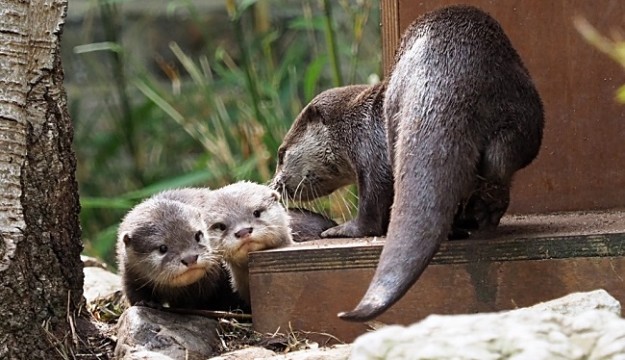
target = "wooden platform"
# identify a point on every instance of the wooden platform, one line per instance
(528, 259)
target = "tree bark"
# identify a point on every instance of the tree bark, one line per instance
(40, 269)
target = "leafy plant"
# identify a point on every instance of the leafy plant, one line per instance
(214, 117)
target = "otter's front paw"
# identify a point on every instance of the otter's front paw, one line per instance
(350, 229)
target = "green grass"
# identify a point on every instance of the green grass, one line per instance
(208, 117)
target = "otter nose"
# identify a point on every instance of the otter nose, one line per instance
(243, 232)
(189, 260)
(277, 184)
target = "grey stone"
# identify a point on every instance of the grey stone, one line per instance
(578, 302)
(89, 261)
(100, 283)
(144, 331)
(579, 326)
(337, 352)
(249, 353)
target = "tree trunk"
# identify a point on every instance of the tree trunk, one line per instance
(40, 269)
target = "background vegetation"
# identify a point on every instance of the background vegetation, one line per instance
(613, 46)
(191, 97)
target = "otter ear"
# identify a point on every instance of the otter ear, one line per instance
(314, 112)
(126, 238)
(275, 195)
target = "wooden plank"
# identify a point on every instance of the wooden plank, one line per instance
(390, 32)
(310, 300)
(364, 253)
(580, 163)
(530, 259)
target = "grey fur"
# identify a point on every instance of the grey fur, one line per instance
(307, 225)
(348, 121)
(153, 278)
(462, 116)
(250, 209)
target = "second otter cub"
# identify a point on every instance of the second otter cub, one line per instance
(245, 217)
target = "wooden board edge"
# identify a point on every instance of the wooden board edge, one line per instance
(450, 252)
(389, 10)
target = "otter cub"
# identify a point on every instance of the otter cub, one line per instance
(241, 218)
(165, 260)
(440, 139)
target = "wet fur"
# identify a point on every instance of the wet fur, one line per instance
(462, 116)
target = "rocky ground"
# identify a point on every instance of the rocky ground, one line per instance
(578, 326)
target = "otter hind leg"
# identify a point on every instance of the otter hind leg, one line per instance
(486, 205)
(489, 201)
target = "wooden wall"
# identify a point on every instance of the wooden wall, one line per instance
(582, 161)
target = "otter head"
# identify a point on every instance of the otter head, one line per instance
(164, 243)
(314, 158)
(246, 217)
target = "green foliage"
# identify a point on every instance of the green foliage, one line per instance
(208, 117)
(614, 48)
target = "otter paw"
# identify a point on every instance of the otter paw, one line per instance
(457, 233)
(349, 229)
(488, 214)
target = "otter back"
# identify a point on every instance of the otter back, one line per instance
(462, 117)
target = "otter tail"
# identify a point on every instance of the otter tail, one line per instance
(434, 170)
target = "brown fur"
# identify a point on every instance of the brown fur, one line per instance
(461, 116)
(339, 139)
(307, 225)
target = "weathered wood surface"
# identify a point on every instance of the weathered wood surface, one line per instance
(527, 260)
(580, 163)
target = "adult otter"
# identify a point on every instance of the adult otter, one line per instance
(462, 116)
(337, 140)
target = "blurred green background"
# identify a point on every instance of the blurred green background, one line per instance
(199, 93)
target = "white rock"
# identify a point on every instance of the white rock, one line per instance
(337, 352)
(250, 353)
(100, 283)
(578, 302)
(579, 326)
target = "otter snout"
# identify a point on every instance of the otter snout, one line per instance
(189, 260)
(277, 184)
(243, 232)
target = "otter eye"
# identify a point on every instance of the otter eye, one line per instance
(281, 152)
(257, 213)
(162, 249)
(199, 235)
(218, 226)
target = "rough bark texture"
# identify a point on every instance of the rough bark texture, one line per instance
(40, 269)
